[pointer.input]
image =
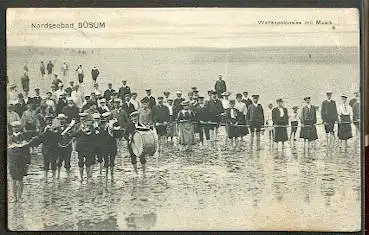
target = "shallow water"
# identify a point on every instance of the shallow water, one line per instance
(271, 189)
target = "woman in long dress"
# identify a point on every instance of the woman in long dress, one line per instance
(280, 122)
(308, 123)
(242, 108)
(232, 117)
(186, 128)
(345, 119)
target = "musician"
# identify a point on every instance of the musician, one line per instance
(280, 122)
(160, 115)
(12, 116)
(116, 108)
(345, 119)
(65, 144)
(131, 127)
(145, 113)
(127, 105)
(114, 96)
(18, 156)
(185, 120)
(152, 101)
(86, 147)
(329, 116)
(308, 120)
(233, 116)
(255, 118)
(109, 147)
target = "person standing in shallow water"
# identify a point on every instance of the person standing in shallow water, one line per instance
(344, 121)
(255, 119)
(308, 123)
(295, 117)
(329, 117)
(280, 122)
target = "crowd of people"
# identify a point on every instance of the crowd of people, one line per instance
(94, 125)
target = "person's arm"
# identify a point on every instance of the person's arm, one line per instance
(322, 112)
(262, 114)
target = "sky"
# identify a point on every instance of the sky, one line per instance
(182, 27)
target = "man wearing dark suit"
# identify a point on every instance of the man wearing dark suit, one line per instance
(220, 86)
(329, 115)
(255, 119)
(177, 103)
(127, 106)
(37, 98)
(152, 101)
(108, 92)
(124, 89)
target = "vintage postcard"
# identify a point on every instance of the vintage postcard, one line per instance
(183, 119)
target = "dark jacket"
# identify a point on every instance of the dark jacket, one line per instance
(160, 113)
(255, 115)
(152, 102)
(276, 116)
(49, 67)
(308, 115)
(123, 91)
(236, 119)
(177, 106)
(19, 108)
(247, 101)
(128, 108)
(107, 94)
(220, 86)
(60, 105)
(71, 113)
(186, 116)
(329, 111)
(95, 73)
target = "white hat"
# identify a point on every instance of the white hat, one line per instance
(133, 113)
(61, 115)
(106, 114)
(96, 115)
(16, 123)
(178, 92)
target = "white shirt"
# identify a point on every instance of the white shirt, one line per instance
(281, 111)
(135, 103)
(344, 109)
(225, 104)
(269, 117)
(232, 114)
(294, 117)
(77, 98)
(240, 106)
(50, 103)
(170, 107)
(58, 93)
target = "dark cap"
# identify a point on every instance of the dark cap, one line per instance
(195, 91)
(295, 107)
(110, 84)
(48, 92)
(279, 100)
(134, 93)
(148, 89)
(166, 93)
(307, 98)
(37, 89)
(160, 98)
(127, 95)
(145, 100)
(255, 96)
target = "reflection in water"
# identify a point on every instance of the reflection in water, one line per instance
(279, 183)
(307, 168)
(328, 179)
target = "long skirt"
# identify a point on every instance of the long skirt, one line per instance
(233, 131)
(344, 129)
(280, 134)
(186, 133)
(243, 130)
(308, 131)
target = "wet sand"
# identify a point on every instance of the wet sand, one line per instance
(271, 189)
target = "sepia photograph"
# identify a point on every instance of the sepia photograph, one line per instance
(123, 119)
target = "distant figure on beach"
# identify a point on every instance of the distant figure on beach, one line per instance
(49, 68)
(25, 82)
(329, 116)
(94, 74)
(80, 74)
(220, 86)
(25, 68)
(64, 69)
(42, 69)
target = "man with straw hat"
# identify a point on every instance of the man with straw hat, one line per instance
(329, 117)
